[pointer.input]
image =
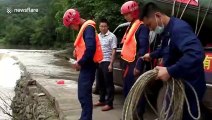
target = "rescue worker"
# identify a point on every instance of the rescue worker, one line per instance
(87, 51)
(108, 42)
(182, 53)
(135, 44)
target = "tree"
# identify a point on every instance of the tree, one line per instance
(45, 28)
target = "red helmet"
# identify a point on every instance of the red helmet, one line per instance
(130, 6)
(71, 16)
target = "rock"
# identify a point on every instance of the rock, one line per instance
(41, 94)
(28, 109)
(30, 101)
(31, 82)
(21, 111)
(32, 90)
(41, 117)
(65, 54)
(29, 116)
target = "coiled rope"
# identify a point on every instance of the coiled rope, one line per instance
(171, 110)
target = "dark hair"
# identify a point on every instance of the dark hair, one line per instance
(148, 9)
(104, 20)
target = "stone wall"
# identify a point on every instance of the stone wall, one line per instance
(30, 103)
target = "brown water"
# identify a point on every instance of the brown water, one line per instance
(40, 63)
(9, 73)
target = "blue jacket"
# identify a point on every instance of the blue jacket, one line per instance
(90, 44)
(182, 53)
(142, 38)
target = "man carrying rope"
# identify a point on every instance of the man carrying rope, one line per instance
(182, 54)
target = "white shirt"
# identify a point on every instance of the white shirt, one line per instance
(108, 42)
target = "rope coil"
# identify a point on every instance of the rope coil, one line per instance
(171, 110)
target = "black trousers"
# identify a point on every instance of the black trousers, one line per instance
(106, 85)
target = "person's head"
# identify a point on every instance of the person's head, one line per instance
(103, 26)
(130, 10)
(71, 19)
(154, 18)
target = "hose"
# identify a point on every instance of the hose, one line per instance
(178, 9)
(196, 31)
(173, 8)
(197, 19)
(185, 8)
(204, 18)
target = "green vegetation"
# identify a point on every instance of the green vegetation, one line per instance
(45, 28)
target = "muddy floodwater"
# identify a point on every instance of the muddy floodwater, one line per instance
(40, 63)
(9, 73)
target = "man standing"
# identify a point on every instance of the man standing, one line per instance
(108, 42)
(181, 51)
(135, 44)
(88, 52)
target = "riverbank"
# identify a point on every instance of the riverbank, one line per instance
(47, 70)
(21, 99)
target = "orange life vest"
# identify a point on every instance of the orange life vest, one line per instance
(128, 51)
(80, 47)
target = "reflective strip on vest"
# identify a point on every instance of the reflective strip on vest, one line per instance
(80, 47)
(129, 48)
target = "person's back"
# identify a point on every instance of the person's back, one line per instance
(182, 41)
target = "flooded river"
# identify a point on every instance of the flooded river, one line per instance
(9, 73)
(40, 63)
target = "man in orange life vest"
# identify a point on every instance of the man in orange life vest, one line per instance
(135, 44)
(87, 51)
